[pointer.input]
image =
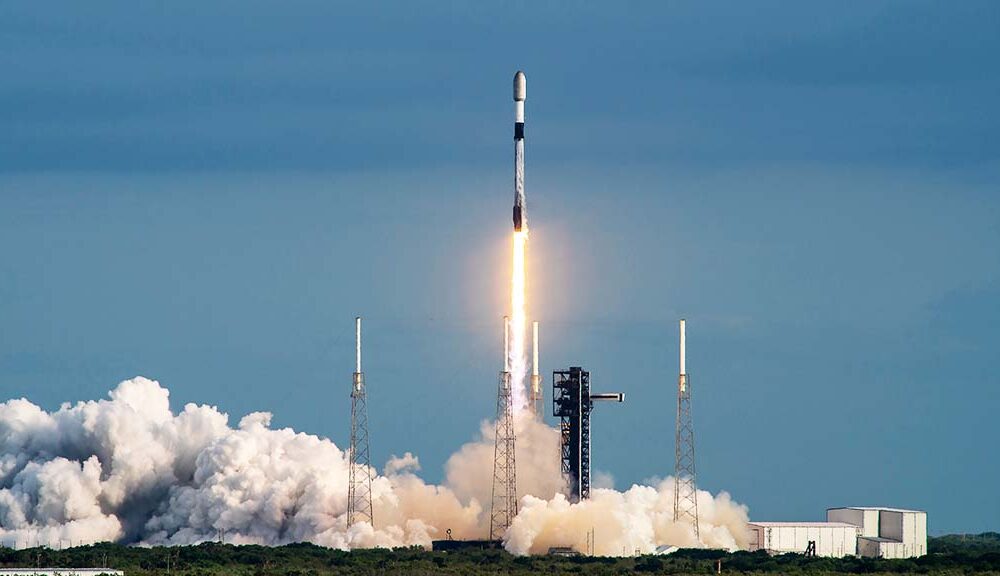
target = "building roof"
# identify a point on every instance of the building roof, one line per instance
(877, 508)
(804, 524)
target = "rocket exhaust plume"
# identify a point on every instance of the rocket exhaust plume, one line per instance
(129, 469)
(518, 305)
(517, 362)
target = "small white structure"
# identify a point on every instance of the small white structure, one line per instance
(834, 539)
(885, 532)
(60, 572)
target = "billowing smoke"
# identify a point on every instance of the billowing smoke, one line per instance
(622, 523)
(128, 469)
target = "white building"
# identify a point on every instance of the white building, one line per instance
(885, 532)
(834, 539)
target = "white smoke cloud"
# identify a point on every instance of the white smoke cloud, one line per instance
(639, 519)
(128, 469)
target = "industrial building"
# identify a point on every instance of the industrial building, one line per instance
(885, 532)
(871, 532)
(834, 539)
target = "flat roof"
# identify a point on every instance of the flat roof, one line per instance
(877, 508)
(804, 524)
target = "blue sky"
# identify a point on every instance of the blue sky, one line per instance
(207, 194)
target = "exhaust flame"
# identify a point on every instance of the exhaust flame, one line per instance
(518, 323)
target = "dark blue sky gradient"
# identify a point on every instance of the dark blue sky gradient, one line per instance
(207, 193)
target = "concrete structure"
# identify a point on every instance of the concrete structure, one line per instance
(885, 532)
(833, 539)
(59, 572)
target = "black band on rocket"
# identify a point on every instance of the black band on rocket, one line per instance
(518, 130)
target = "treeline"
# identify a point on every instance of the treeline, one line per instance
(965, 543)
(958, 555)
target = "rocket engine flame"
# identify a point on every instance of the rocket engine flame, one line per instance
(517, 357)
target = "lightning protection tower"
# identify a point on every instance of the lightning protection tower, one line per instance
(504, 506)
(536, 379)
(685, 490)
(359, 491)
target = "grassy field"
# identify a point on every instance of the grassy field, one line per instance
(954, 555)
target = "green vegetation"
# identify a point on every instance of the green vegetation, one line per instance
(970, 544)
(950, 555)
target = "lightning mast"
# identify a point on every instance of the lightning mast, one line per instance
(536, 379)
(504, 505)
(685, 491)
(359, 492)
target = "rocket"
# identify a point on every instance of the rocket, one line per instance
(520, 215)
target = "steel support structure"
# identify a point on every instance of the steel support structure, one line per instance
(359, 491)
(685, 489)
(504, 498)
(572, 403)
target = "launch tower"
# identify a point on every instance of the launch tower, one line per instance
(572, 402)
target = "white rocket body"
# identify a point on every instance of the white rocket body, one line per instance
(520, 92)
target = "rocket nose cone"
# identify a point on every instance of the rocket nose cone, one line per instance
(520, 88)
